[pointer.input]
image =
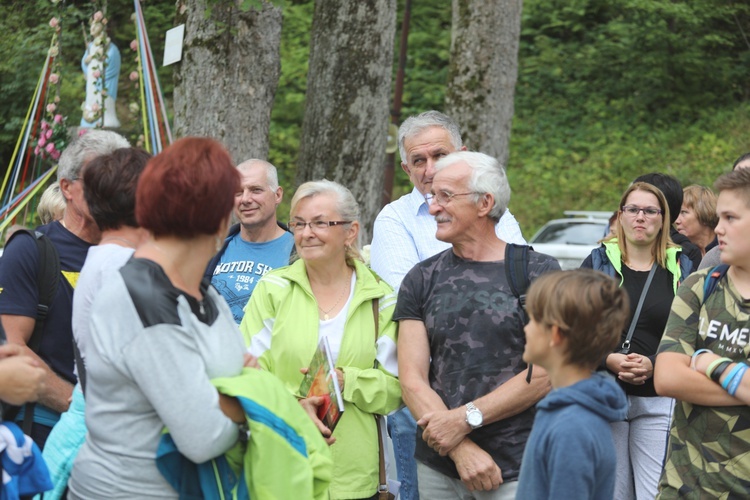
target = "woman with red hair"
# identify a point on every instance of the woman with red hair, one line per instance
(159, 334)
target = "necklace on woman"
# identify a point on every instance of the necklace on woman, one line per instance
(343, 292)
(639, 267)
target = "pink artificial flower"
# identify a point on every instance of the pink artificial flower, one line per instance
(134, 45)
(51, 107)
(54, 23)
(98, 15)
(58, 118)
(42, 141)
(50, 147)
(48, 134)
(54, 78)
(37, 150)
(96, 73)
(55, 155)
(82, 131)
(45, 125)
(133, 76)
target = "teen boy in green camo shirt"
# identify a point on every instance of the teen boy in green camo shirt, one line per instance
(708, 455)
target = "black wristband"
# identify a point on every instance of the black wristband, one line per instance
(719, 371)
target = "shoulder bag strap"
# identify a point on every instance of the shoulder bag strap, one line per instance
(382, 483)
(626, 344)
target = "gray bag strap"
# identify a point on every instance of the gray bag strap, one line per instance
(626, 343)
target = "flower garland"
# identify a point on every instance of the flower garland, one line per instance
(97, 54)
(53, 136)
(134, 77)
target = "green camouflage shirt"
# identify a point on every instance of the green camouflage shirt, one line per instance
(708, 455)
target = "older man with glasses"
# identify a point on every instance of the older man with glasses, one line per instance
(461, 340)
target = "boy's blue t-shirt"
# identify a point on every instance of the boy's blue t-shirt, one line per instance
(243, 263)
(570, 452)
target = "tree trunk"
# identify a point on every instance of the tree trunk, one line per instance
(482, 73)
(226, 81)
(346, 111)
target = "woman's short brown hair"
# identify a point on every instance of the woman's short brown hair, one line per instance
(588, 307)
(109, 184)
(703, 202)
(187, 190)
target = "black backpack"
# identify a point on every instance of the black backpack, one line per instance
(517, 275)
(48, 278)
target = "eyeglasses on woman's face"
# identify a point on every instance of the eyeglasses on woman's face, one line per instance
(648, 212)
(297, 226)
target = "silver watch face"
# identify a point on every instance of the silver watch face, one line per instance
(474, 418)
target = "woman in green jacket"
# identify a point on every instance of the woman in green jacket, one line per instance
(330, 292)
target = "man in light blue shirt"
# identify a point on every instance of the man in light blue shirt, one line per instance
(404, 235)
(257, 244)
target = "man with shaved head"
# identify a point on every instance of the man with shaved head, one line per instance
(258, 243)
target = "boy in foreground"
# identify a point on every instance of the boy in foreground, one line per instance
(575, 320)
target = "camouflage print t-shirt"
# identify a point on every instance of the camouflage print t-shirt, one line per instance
(475, 331)
(708, 455)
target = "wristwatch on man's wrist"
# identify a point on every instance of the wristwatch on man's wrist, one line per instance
(474, 416)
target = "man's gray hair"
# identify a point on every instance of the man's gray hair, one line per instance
(487, 176)
(272, 175)
(416, 124)
(85, 148)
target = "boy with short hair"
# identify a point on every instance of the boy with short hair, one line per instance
(575, 320)
(709, 452)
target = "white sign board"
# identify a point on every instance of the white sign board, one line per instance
(173, 45)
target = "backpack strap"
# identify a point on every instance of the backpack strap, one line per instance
(712, 278)
(517, 275)
(517, 272)
(3, 340)
(47, 278)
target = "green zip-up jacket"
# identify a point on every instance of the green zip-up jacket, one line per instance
(280, 327)
(284, 457)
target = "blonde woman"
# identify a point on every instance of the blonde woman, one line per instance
(51, 204)
(330, 292)
(641, 252)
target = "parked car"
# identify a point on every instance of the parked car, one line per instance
(571, 240)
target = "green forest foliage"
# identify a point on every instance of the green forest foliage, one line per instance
(611, 89)
(607, 89)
